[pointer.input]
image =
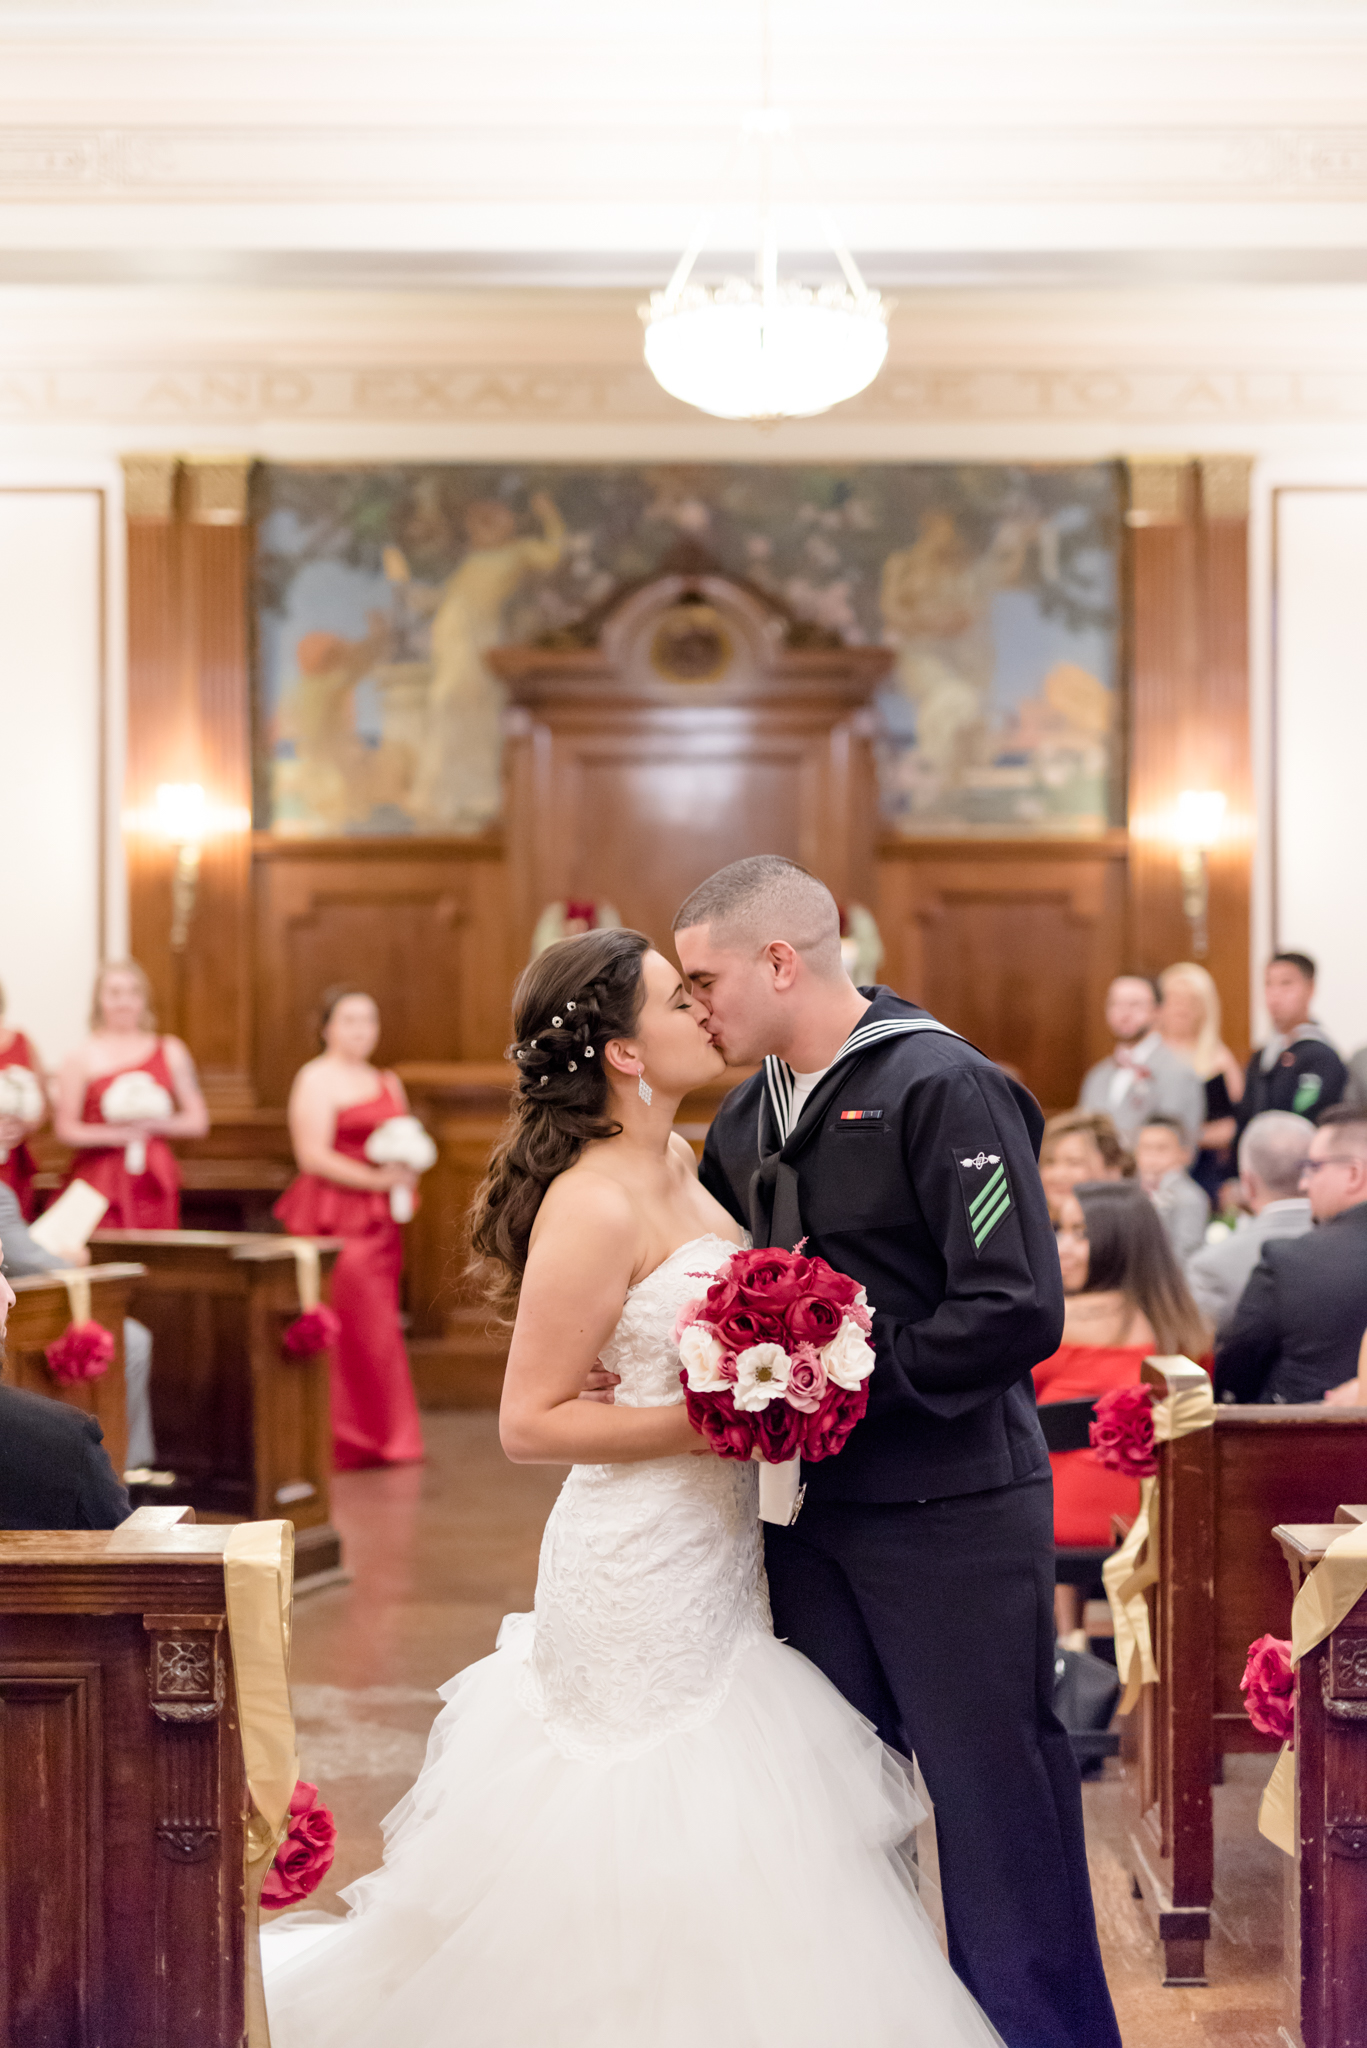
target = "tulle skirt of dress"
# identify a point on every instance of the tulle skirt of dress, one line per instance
(743, 1884)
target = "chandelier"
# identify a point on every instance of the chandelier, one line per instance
(767, 350)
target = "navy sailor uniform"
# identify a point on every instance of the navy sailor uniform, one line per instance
(919, 1576)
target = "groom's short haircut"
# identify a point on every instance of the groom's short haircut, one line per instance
(753, 902)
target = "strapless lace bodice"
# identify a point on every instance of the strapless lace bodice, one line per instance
(651, 1579)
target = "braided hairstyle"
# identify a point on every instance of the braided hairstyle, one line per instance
(572, 1000)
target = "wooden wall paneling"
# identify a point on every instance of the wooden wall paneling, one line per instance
(421, 923)
(1011, 943)
(1189, 717)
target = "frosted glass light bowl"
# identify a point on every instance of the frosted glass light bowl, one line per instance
(741, 353)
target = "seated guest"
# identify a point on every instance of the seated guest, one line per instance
(1298, 1328)
(1162, 1157)
(1190, 1023)
(1142, 1077)
(1355, 1094)
(1124, 1299)
(23, 1254)
(1077, 1145)
(17, 1164)
(1272, 1152)
(130, 1162)
(1298, 1069)
(54, 1471)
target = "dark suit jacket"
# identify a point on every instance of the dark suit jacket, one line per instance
(931, 1198)
(1300, 1319)
(54, 1470)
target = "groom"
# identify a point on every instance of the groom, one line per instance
(920, 1575)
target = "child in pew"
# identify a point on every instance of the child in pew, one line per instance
(54, 1470)
(23, 1254)
(1162, 1158)
(1124, 1298)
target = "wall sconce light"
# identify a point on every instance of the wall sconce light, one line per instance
(1200, 819)
(183, 816)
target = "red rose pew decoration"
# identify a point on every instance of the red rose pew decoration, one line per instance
(305, 1854)
(1269, 1688)
(317, 1329)
(84, 1351)
(1122, 1436)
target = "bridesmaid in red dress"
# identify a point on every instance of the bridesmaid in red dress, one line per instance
(19, 1166)
(1125, 1299)
(130, 1162)
(337, 1100)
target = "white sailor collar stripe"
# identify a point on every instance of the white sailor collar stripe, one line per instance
(778, 1075)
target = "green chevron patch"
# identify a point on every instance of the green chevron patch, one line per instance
(987, 1192)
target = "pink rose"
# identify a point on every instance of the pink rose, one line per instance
(812, 1320)
(691, 1312)
(304, 1857)
(1269, 1688)
(806, 1380)
(826, 1431)
(84, 1351)
(1122, 1434)
(714, 1416)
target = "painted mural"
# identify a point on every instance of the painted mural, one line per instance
(381, 589)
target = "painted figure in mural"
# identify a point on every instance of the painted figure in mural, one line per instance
(457, 787)
(330, 780)
(936, 600)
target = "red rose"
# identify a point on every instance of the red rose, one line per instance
(84, 1351)
(773, 1279)
(812, 1320)
(317, 1329)
(779, 1432)
(730, 1435)
(1122, 1434)
(833, 1286)
(721, 1300)
(1269, 1688)
(746, 1326)
(826, 1431)
(304, 1857)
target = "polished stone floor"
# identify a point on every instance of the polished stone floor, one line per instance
(439, 1553)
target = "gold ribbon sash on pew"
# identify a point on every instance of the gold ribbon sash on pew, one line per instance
(258, 1577)
(1129, 1572)
(307, 1271)
(1330, 1591)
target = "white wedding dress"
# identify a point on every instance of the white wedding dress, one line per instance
(643, 1822)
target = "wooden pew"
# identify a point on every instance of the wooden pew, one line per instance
(1328, 1958)
(1222, 1583)
(122, 1790)
(41, 1312)
(246, 1430)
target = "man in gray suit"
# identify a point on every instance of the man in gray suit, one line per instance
(1142, 1077)
(1272, 1152)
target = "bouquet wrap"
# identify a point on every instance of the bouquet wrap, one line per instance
(21, 1096)
(401, 1141)
(135, 1098)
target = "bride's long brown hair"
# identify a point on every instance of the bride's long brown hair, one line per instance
(569, 1004)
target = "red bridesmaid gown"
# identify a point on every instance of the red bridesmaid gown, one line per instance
(19, 1169)
(149, 1200)
(374, 1410)
(1086, 1495)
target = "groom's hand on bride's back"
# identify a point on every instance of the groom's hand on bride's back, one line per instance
(600, 1383)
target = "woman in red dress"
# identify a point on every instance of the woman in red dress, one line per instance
(336, 1102)
(19, 1166)
(1125, 1299)
(129, 1160)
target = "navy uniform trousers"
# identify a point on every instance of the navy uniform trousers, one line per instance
(919, 1575)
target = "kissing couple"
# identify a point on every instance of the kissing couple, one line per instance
(672, 1808)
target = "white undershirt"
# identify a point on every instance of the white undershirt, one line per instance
(803, 1085)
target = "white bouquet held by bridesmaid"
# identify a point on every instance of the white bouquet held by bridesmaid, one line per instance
(21, 1096)
(401, 1141)
(135, 1098)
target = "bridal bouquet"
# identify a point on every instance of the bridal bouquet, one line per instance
(21, 1096)
(401, 1141)
(135, 1098)
(776, 1359)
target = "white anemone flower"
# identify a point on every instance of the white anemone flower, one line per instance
(848, 1358)
(701, 1354)
(761, 1376)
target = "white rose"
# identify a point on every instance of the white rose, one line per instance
(761, 1375)
(848, 1358)
(701, 1355)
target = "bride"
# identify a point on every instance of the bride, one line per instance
(642, 1820)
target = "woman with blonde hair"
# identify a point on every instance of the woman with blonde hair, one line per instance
(1189, 1021)
(120, 1096)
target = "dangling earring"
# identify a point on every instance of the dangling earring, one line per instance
(643, 1087)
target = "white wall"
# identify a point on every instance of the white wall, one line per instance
(52, 687)
(1318, 731)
